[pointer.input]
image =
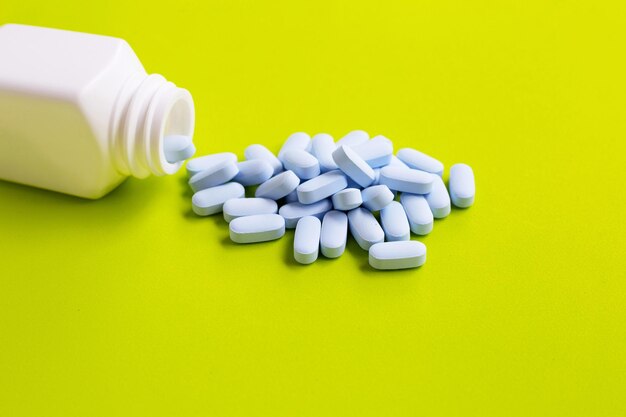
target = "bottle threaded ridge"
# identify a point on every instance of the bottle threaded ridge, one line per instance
(153, 108)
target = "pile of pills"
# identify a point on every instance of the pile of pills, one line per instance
(324, 189)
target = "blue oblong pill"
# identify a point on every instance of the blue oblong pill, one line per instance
(298, 140)
(364, 228)
(306, 240)
(257, 151)
(395, 223)
(241, 207)
(347, 199)
(211, 200)
(293, 212)
(462, 185)
(322, 147)
(334, 234)
(202, 163)
(354, 166)
(418, 212)
(397, 255)
(438, 199)
(257, 228)
(279, 186)
(321, 187)
(253, 172)
(419, 160)
(376, 197)
(406, 180)
(219, 173)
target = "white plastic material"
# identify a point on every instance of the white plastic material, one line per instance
(79, 113)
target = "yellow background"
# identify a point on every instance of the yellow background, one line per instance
(133, 306)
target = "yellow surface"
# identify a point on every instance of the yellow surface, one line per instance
(133, 306)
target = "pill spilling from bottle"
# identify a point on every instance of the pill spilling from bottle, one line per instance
(326, 190)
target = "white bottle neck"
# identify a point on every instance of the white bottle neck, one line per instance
(148, 108)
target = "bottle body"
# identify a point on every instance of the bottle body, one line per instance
(79, 113)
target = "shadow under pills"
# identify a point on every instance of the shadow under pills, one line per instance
(52, 210)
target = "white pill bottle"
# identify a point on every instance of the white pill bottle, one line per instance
(79, 113)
